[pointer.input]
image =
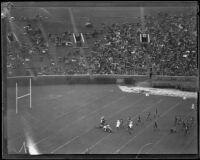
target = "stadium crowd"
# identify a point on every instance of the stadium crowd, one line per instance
(172, 49)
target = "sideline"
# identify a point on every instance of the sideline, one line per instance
(157, 91)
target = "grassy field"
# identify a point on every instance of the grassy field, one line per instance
(63, 120)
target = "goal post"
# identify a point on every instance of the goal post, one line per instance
(25, 95)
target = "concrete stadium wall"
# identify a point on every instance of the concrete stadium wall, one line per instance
(176, 78)
(75, 79)
(176, 82)
(189, 83)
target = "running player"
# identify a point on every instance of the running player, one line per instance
(128, 120)
(139, 119)
(156, 113)
(102, 122)
(148, 116)
(122, 123)
(118, 123)
(130, 126)
(183, 124)
(175, 120)
(155, 125)
(186, 129)
(107, 128)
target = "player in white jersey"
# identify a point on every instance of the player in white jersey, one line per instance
(107, 128)
(102, 121)
(130, 126)
(118, 123)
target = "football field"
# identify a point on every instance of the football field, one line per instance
(64, 119)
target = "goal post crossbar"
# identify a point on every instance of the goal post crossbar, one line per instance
(24, 96)
(19, 97)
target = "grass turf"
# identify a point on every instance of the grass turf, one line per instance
(63, 120)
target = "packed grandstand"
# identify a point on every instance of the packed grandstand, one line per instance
(36, 43)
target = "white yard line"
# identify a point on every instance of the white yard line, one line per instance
(21, 148)
(79, 108)
(97, 142)
(142, 148)
(123, 146)
(43, 139)
(92, 127)
(64, 144)
(83, 117)
(40, 141)
(19, 136)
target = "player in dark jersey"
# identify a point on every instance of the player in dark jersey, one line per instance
(102, 121)
(121, 123)
(148, 116)
(155, 125)
(175, 120)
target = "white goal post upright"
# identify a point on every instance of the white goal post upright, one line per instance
(28, 94)
(16, 99)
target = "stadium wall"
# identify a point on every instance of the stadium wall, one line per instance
(76, 79)
(176, 78)
(184, 83)
(176, 82)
